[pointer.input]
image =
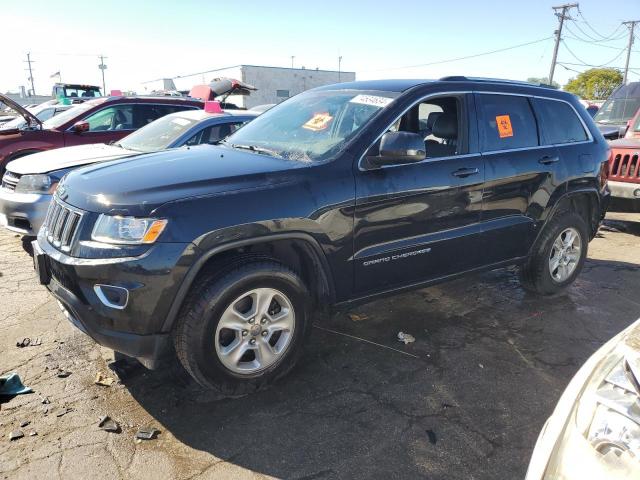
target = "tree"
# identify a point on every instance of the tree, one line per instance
(595, 83)
(544, 80)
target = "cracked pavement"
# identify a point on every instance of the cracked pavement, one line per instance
(489, 363)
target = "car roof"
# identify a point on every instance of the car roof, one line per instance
(201, 114)
(401, 85)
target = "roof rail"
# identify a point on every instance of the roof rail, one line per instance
(462, 78)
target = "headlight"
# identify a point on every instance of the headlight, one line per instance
(594, 432)
(127, 230)
(36, 184)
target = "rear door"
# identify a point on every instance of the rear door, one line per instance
(418, 222)
(521, 174)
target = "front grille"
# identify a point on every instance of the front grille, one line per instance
(10, 180)
(61, 224)
(625, 166)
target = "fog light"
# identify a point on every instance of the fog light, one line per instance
(112, 297)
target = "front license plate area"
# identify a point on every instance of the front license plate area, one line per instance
(40, 264)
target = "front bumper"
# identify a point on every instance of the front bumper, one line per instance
(624, 190)
(151, 279)
(23, 213)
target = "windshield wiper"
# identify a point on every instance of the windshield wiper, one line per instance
(253, 148)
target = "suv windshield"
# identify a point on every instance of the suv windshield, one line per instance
(64, 117)
(311, 126)
(617, 110)
(157, 135)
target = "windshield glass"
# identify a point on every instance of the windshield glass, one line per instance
(158, 134)
(617, 110)
(20, 122)
(81, 92)
(311, 126)
(64, 117)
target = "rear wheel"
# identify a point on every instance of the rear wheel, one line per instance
(558, 256)
(240, 332)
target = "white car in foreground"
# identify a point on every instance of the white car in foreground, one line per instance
(594, 432)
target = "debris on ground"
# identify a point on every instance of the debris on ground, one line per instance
(147, 433)
(33, 433)
(46, 401)
(432, 437)
(406, 338)
(481, 365)
(63, 373)
(107, 424)
(15, 435)
(28, 342)
(11, 385)
(63, 411)
(103, 380)
(357, 317)
(25, 423)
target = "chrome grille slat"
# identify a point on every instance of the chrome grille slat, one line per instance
(61, 224)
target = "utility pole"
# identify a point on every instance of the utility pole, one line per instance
(558, 32)
(631, 25)
(339, 65)
(29, 61)
(292, 57)
(103, 67)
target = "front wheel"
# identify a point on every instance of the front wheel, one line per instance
(244, 330)
(558, 256)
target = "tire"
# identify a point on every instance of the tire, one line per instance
(201, 340)
(536, 275)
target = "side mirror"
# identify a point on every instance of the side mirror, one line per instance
(80, 127)
(398, 148)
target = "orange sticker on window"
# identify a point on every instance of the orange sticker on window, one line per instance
(504, 126)
(318, 122)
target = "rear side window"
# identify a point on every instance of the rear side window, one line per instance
(559, 123)
(506, 122)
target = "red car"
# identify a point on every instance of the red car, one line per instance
(101, 120)
(624, 174)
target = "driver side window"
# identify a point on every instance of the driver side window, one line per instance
(117, 117)
(437, 121)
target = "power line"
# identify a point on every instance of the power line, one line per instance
(592, 40)
(594, 30)
(593, 43)
(456, 59)
(597, 66)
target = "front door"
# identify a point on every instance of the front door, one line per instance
(418, 222)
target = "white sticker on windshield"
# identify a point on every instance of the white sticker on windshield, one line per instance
(373, 100)
(181, 121)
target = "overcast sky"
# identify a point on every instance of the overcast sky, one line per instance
(148, 40)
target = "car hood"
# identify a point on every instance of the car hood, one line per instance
(68, 157)
(30, 118)
(626, 143)
(611, 131)
(139, 187)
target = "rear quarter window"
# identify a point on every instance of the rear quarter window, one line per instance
(506, 122)
(559, 123)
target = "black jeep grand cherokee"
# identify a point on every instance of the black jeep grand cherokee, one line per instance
(337, 195)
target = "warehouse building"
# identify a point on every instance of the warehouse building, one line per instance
(274, 84)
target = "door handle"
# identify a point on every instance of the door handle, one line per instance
(549, 159)
(465, 172)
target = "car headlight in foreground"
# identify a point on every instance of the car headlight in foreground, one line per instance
(36, 184)
(127, 230)
(594, 432)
